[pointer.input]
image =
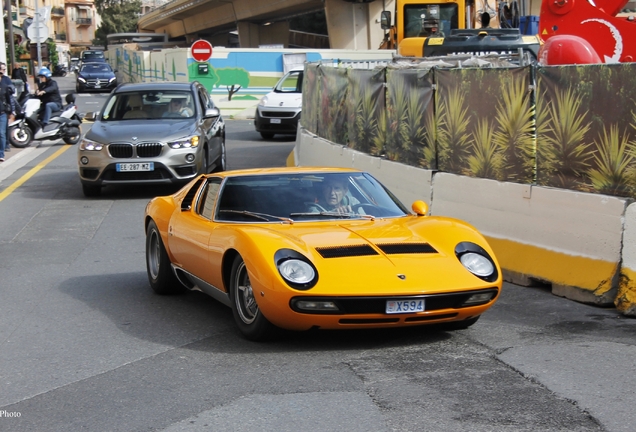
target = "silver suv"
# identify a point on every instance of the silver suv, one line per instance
(152, 133)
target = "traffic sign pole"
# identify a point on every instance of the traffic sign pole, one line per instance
(37, 36)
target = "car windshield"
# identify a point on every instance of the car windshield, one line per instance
(306, 197)
(290, 83)
(149, 104)
(96, 68)
(89, 55)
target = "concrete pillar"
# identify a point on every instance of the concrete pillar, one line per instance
(356, 25)
(248, 34)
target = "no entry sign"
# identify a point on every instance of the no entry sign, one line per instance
(201, 50)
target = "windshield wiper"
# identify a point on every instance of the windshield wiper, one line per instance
(262, 216)
(334, 215)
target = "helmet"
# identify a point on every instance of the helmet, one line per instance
(45, 72)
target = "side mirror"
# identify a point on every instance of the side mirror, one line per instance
(90, 116)
(212, 113)
(420, 208)
(385, 20)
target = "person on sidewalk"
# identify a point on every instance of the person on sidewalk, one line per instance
(7, 107)
(7, 85)
(49, 94)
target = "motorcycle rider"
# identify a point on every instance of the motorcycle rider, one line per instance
(49, 94)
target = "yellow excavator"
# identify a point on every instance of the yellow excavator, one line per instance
(425, 28)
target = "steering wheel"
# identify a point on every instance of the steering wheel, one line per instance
(185, 112)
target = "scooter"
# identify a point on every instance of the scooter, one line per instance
(27, 127)
(59, 70)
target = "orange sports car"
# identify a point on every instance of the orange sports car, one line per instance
(329, 248)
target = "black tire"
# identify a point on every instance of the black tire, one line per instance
(267, 135)
(248, 317)
(459, 325)
(20, 137)
(221, 162)
(91, 191)
(162, 280)
(72, 136)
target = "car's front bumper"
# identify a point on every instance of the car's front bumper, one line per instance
(276, 121)
(92, 85)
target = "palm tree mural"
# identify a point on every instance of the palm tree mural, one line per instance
(614, 161)
(486, 160)
(366, 129)
(453, 136)
(563, 152)
(515, 131)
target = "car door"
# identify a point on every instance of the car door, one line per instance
(212, 127)
(190, 229)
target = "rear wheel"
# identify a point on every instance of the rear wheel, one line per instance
(248, 317)
(160, 275)
(20, 137)
(267, 135)
(72, 136)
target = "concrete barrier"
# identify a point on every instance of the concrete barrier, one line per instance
(569, 239)
(626, 298)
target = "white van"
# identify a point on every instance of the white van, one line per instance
(278, 112)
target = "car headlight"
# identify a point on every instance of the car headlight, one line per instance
(112, 79)
(189, 142)
(477, 261)
(79, 78)
(477, 264)
(263, 101)
(88, 145)
(295, 269)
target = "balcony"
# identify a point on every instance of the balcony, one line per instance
(60, 37)
(84, 21)
(57, 12)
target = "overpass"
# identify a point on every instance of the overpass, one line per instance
(351, 24)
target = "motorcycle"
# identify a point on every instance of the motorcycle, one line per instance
(59, 70)
(27, 126)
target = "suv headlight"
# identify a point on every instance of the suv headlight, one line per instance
(189, 142)
(112, 79)
(79, 78)
(263, 101)
(88, 145)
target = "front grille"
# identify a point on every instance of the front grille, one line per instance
(377, 305)
(120, 151)
(346, 251)
(145, 150)
(279, 114)
(142, 150)
(406, 248)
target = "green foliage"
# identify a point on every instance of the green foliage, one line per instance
(485, 161)
(232, 76)
(452, 136)
(53, 55)
(118, 16)
(614, 160)
(563, 151)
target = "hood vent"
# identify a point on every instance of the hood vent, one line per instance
(406, 248)
(346, 251)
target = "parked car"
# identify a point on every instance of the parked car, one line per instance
(139, 138)
(278, 112)
(317, 248)
(95, 77)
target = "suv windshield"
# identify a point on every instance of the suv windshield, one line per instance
(92, 55)
(151, 104)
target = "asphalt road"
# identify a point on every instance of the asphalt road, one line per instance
(86, 345)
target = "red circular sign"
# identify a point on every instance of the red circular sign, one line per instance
(201, 50)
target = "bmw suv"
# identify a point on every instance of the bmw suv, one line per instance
(152, 133)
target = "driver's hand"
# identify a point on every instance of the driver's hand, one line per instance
(343, 209)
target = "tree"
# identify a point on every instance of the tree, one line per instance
(118, 16)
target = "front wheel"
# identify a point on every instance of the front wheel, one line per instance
(20, 136)
(221, 162)
(248, 317)
(72, 136)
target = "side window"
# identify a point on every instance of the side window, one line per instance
(206, 101)
(209, 197)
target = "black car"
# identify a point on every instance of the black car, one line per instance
(96, 77)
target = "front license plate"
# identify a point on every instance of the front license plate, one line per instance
(404, 306)
(142, 166)
(98, 86)
(275, 121)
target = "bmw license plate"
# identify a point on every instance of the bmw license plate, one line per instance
(404, 306)
(275, 121)
(141, 166)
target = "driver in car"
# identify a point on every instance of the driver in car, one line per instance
(176, 108)
(335, 198)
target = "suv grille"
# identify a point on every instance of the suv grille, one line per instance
(143, 150)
